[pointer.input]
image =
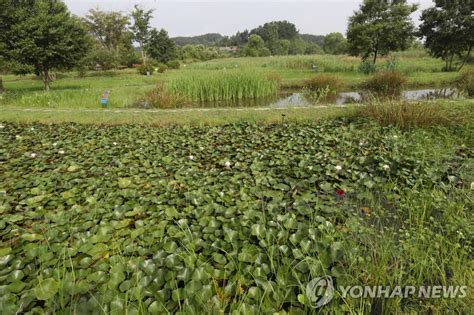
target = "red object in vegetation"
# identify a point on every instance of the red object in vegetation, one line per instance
(340, 192)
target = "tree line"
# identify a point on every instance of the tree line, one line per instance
(41, 36)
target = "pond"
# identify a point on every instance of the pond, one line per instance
(299, 98)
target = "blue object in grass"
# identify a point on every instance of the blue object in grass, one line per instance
(104, 100)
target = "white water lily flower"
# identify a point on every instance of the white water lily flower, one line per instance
(386, 167)
(2, 126)
(114, 143)
(32, 129)
(338, 168)
(18, 137)
(191, 157)
(55, 144)
(227, 164)
(61, 152)
(33, 155)
(395, 137)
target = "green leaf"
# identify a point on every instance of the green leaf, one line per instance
(46, 289)
(124, 182)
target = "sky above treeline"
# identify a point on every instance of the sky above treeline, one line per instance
(189, 18)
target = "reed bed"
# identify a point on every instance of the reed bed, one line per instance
(231, 85)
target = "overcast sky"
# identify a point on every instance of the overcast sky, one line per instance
(192, 17)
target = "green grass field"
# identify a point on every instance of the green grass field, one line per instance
(127, 86)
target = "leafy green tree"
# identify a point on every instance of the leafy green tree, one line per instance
(161, 47)
(41, 36)
(141, 28)
(379, 27)
(279, 47)
(298, 46)
(109, 29)
(239, 39)
(276, 30)
(448, 31)
(335, 44)
(255, 47)
(198, 52)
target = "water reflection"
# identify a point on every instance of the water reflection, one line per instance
(296, 99)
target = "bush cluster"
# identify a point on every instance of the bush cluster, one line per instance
(407, 115)
(385, 84)
(323, 81)
(146, 69)
(465, 82)
(174, 64)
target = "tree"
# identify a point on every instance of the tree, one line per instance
(161, 47)
(276, 30)
(448, 31)
(279, 47)
(141, 28)
(335, 44)
(109, 29)
(42, 36)
(379, 27)
(255, 47)
(298, 46)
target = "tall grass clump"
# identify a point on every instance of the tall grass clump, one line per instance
(223, 86)
(160, 98)
(323, 81)
(385, 84)
(465, 82)
(406, 115)
(322, 87)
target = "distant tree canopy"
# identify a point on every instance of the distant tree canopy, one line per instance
(279, 38)
(278, 30)
(255, 47)
(141, 28)
(161, 47)
(41, 36)
(198, 52)
(448, 31)
(335, 44)
(113, 39)
(210, 39)
(379, 27)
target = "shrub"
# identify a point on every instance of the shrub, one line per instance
(146, 69)
(406, 115)
(275, 77)
(161, 68)
(391, 65)
(323, 81)
(160, 98)
(315, 96)
(174, 64)
(367, 67)
(385, 84)
(465, 82)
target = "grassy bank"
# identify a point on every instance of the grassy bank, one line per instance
(197, 117)
(127, 87)
(236, 218)
(175, 117)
